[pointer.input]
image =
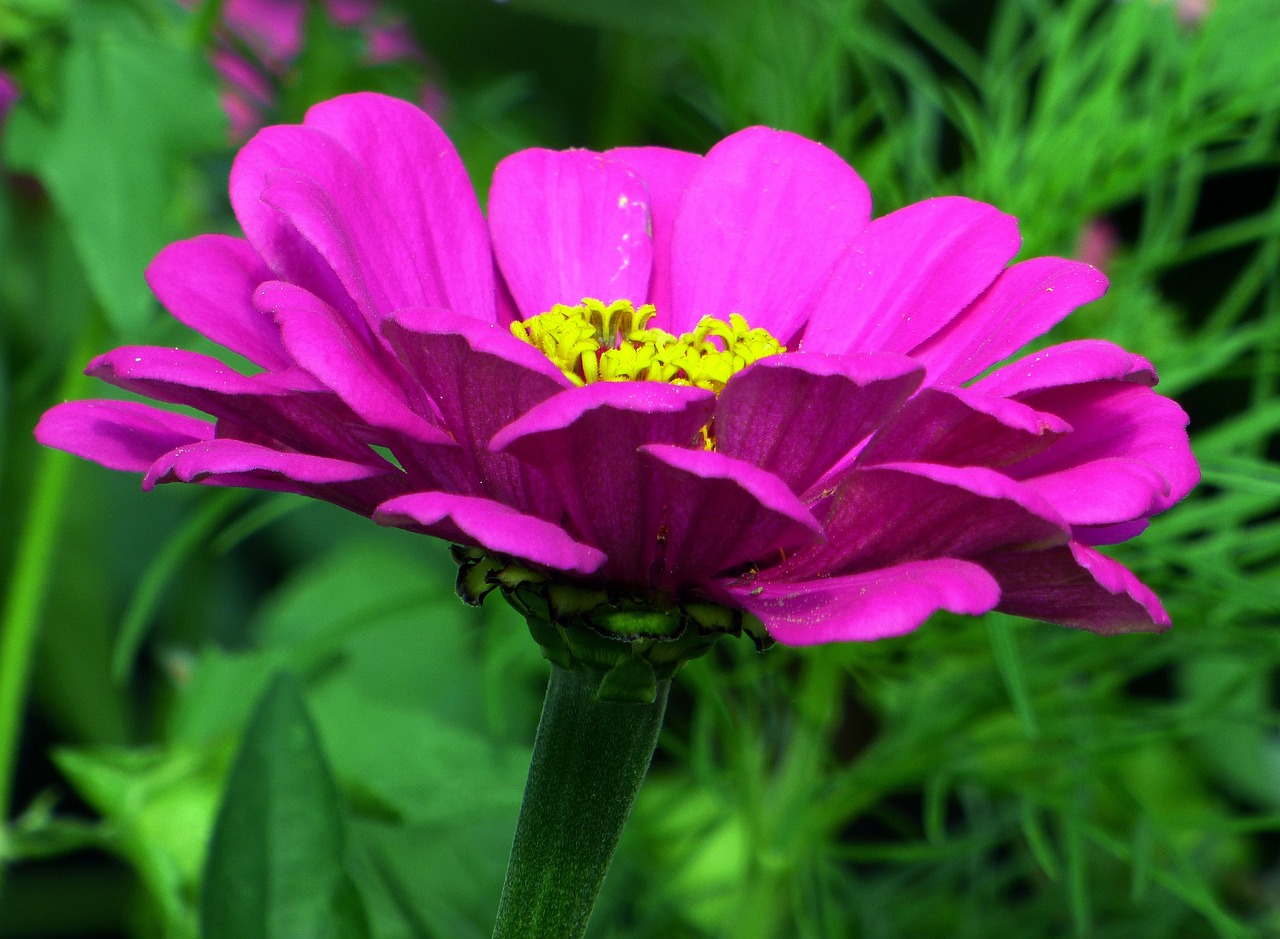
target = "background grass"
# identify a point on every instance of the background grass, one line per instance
(977, 778)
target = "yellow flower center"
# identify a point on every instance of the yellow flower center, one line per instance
(593, 342)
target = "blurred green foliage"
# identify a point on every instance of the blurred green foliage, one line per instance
(973, 779)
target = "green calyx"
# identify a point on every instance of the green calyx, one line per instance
(629, 643)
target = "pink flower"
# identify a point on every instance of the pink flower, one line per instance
(260, 40)
(812, 439)
(8, 95)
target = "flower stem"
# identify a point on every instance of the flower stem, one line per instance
(589, 759)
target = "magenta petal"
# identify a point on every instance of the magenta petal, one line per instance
(762, 221)
(1124, 428)
(207, 283)
(1068, 363)
(425, 194)
(871, 605)
(321, 341)
(121, 435)
(209, 459)
(1024, 302)
(492, 526)
(962, 427)
(666, 173)
(909, 274)
(888, 514)
(568, 225)
(1076, 586)
(718, 513)
(1094, 535)
(481, 378)
(797, 415)
(585, 441)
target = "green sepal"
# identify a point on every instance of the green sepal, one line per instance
(631, 680)
(474, 569)
(551, 641)
(629, 624)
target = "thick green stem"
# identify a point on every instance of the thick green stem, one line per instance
(589, 759)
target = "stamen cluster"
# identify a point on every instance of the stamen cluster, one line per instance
(594, 342)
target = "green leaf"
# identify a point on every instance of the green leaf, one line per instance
(275, 865)
(134, 104)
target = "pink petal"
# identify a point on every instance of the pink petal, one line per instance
(1094, 535)
(120, 435)
(585, 441)
(492, 526)
(909, 274)
(235, 463)
(568, 225)
(420, 183)
(207, 283)
(871, 605)
(797, 415)
(265, 402)
(885, 515)
(718, 513)
(1068, 363)
(322, 342)
(365, 231)
(962, 427)
(1076, 586)
(666, 173)
(481, 378)
(1025, 301)
(1128, 452)
(759, 226)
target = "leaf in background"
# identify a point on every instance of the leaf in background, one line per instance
(275, 867)
(134, 105)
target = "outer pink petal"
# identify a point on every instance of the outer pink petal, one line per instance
(490, 525)
(568, 225)
(888, 514)
(322, 342)
(909, 274)
(422, 187)
(1123, 428)
(718, 513)
(314, 422)
(1076, 586)
(207, 283)
(235, 463)
(871, 605)
(760, 224)
(121, 435)
(481, 378)
(962, 427)
(666, 173)
(362, 230)
(1068, 363)
(797, 415)
(585, 441)
(1024, 302)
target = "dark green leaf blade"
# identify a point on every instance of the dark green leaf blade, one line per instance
(275, 859)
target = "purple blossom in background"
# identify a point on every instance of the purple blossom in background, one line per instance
(260, 40)
(8, 95)
(684, 378)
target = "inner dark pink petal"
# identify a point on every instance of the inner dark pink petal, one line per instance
(586, 442)
(1068, 363)
(885, 515)
(1076, 586)
(962, 427)
(798, 415)
(718, 513)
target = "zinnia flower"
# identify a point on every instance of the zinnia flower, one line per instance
(658, 381)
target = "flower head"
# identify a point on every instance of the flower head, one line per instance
(655, 387)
